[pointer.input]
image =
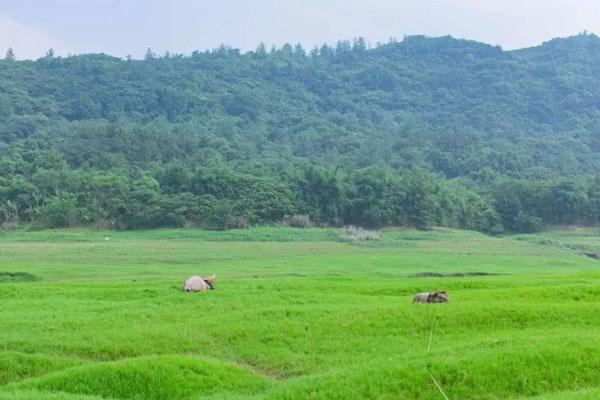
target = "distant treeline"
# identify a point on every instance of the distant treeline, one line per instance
(171, 195)
(418, 133)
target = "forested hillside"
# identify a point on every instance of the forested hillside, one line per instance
(422, 132)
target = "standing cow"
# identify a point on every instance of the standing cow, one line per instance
(433, 297)
(199, 284)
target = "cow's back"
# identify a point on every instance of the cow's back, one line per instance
(195, 284)
(421, 298)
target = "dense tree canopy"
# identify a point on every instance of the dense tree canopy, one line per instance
(420, 132)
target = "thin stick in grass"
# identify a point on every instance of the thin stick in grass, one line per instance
(430, 338)
(429, 348)
(439, 387)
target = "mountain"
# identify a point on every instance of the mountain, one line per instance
(461, 112)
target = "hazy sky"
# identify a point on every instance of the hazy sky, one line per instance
(129, 27)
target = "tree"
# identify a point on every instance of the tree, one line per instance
(9, 215)
(299, 51)
(420, 204)
(10, 55)
(261, 50)
(61, 211)
(359, 44)
(374, 198)
(519, 204)
(563, 203)
(593, 205)
(321, 194)
(150, 55)
(174, 178)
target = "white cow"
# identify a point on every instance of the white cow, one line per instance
(199, 284)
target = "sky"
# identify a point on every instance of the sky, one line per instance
(129, 27)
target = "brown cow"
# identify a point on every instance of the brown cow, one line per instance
(433, 297)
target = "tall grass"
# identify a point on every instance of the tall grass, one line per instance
(357, 234)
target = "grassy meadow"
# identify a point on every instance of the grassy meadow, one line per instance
(298, 314)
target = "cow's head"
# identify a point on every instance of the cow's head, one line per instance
(440, 297)
(210, 281)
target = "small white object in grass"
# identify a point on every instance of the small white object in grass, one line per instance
(106, 238)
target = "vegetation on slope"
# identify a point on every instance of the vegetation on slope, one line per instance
(426, 131)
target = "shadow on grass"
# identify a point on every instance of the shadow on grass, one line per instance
(15, 277)
(452, 275)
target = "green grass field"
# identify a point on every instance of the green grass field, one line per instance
(298, 314)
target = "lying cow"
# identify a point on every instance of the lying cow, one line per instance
(199, 284)
(433, 297)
